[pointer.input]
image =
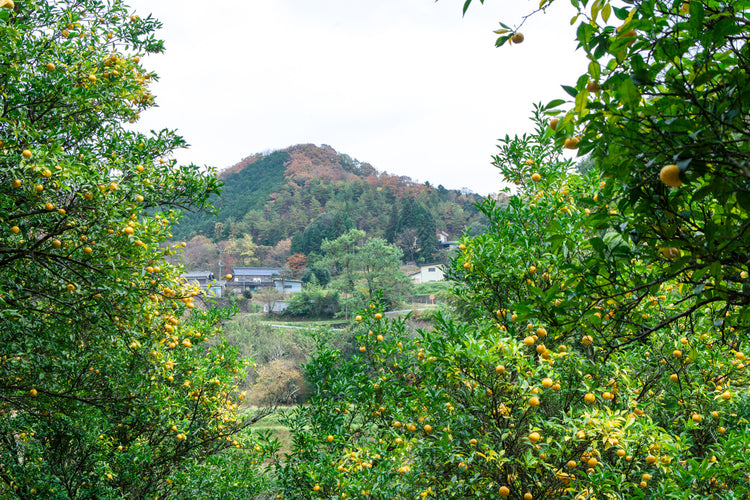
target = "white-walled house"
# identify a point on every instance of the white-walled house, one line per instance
(284, 285)
(427, 273)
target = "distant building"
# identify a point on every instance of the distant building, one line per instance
(427, 273)
(450, 245)
(203, 278)
(252, 278)
(284, 285)
(277, 306)
(442, 237)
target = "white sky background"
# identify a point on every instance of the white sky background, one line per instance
(409, 86)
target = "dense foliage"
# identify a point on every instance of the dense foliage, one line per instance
(110, 387)
(243, 191)
(597, 350)
(596, 346)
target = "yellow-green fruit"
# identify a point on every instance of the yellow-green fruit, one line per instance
(670, 175)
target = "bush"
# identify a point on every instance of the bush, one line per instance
(279, 382)
(313, 302)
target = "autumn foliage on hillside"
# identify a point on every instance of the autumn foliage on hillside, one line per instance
(286, 194)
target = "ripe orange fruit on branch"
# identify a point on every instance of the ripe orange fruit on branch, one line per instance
(504, 491)
(536, 177)
(517, 38)
(572, 142)
(553, 123)
(670, 175)
(593, 87)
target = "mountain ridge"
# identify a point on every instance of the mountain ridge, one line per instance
(278, 195)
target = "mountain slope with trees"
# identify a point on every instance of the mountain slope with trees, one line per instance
(302, 195)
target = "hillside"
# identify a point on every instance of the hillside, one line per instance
(305, 193)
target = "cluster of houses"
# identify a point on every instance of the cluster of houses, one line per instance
(244, 279)
(255, 278)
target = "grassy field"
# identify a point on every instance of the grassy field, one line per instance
(273, 424)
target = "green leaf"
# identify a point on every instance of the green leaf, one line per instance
(743, 200)
(581, 101)
(570, 90)
(555, 103)
(629, 94)
(595, 69)
(621, 13)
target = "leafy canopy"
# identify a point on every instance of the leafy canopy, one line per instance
(110, 386)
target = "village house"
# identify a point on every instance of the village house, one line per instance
(252, 278)
(427, 273)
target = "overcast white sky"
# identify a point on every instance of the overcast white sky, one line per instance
(410, 86)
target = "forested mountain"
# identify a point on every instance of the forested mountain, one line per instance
(305, 194)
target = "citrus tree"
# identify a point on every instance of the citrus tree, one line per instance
(575, 366)
(112, 383)
(612, 304)
(598, 347)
